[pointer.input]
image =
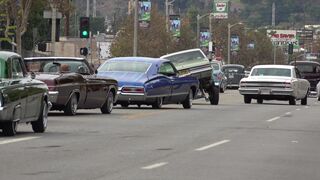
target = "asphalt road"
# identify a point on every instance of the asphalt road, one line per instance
(231, 141)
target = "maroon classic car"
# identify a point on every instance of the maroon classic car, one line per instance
(73, 84)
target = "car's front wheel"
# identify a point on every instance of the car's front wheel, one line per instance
(292, 101)
(108, 105)
(72, 106)
(259, 100)
(247, 99)
(187, 103)
(214, 95)
(9, 128)
(40, 125)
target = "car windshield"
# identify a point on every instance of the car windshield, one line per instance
(307, 68)
(271, 72)
(127, 66)
(3, 69)
(231, 70)
(54, 66)
(186, 58)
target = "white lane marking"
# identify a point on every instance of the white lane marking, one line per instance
(288, 113)
(212, 145)
(153, 166)
(298, 109)
(17, 140)
(273, 119)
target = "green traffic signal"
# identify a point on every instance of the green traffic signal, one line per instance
(85, 33)
(84, 27)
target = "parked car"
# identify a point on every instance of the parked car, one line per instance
(193, 62)
(218, 76)
(234, 73)
(73, 84)
(149, 81)
(22, 98)
(310, 71)
(275, 82)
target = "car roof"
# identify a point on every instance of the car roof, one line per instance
(304, 62)
(54, 58)
(6, 54)
(274, 66)
(181, 52)
(139, 59)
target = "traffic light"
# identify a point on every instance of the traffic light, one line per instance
(290, 48)
(84, 27)
(84, 51)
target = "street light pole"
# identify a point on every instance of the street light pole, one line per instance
(198, 27)
(229, 38)
(135, 31)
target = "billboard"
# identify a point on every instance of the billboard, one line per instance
(175, 25)
(235, 43)
(284, 38)
(144, 13)
(220, 9)
(205, 37)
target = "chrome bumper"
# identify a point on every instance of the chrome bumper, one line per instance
(266, 91)
(130, 96)
(53, 96)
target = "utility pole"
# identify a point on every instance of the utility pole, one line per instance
(273, 25)
(273, 14)
(94, 13)
(88, 8)
(135, 32)
(53, 27)
(167, 4)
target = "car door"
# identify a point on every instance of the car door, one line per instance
(179, 86)
(19, 88)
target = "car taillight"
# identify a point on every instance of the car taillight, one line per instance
(133, 90)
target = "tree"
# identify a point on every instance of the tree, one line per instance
(17, 13)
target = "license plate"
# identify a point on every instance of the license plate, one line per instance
(231, 76)
(265, 91)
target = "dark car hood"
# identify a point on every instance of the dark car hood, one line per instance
(126, 78)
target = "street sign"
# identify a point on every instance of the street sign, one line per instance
(220, 9)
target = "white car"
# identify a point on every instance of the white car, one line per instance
(274, 82)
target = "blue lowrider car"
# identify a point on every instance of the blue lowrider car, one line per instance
(149, 81)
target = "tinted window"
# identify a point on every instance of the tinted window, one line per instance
(271, 72)
(166, 69)
(3, 69)
(307, 68)
(128, 66)
(17, 71)
(232, 70)
(54, 66)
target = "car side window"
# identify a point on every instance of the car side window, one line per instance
(167, 69)
(17, 70)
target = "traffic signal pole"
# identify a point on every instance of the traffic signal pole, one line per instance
(53, 28)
